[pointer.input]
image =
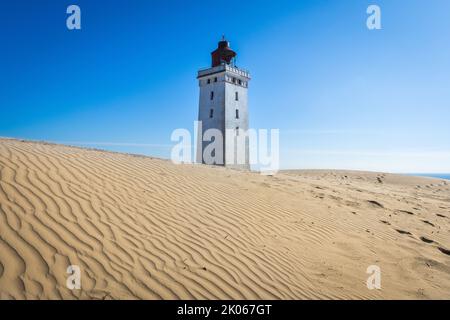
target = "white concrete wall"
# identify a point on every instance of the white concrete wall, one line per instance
(233, 147)
(224, 105)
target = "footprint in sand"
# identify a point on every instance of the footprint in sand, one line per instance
(428, 222)
(403, 232)
(444, 251)
(426, 240)
(375, 204)
(405, 211)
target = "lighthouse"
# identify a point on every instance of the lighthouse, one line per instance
(223, 110)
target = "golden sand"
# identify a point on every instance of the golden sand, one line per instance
(144, 228)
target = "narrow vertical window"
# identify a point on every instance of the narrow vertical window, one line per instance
(215, 79)
(237, 131)
(209, 81)
(211, 95)
(236, 96)
(211, 113)
(237, 114)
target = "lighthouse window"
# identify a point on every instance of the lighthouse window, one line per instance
(209, 81)
(211, 113)
(240, 81)
(211, 95)
(236, 97)
(237, 114)
(215, 79)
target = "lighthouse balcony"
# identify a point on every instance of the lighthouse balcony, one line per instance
(222, 68)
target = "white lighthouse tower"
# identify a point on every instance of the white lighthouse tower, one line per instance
(223, 106)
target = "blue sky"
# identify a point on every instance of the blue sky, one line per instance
(342, 96)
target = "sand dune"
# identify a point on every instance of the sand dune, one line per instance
(144, 228)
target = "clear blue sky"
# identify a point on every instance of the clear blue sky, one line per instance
(341, 95)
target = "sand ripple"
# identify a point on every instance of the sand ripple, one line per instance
(143, 228)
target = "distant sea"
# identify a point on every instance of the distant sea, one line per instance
(432, 175)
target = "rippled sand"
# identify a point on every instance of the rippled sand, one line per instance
(144, 228)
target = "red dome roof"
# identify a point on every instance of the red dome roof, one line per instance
(223, 54)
